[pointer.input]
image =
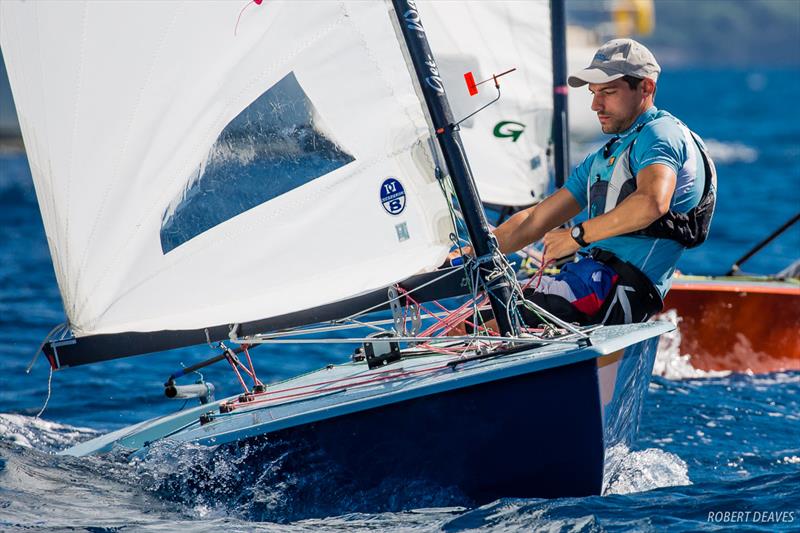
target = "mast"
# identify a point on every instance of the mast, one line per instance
(558, 40)
(427, 74)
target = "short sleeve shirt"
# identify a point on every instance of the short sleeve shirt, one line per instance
(662, 140)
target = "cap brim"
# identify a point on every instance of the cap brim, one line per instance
(592, 75)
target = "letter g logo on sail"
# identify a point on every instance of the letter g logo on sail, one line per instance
(509, 128)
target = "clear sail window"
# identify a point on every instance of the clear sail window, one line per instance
(273, 146)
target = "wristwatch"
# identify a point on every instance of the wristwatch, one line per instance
(577, 233)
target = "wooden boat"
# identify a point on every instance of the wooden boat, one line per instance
(738, 323)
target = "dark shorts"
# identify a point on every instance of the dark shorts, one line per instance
(597, 289)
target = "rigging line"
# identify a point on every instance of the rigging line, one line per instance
(446, 323)
(448, 194)
(371, 325)
(566, 325)
(270, 392)
(359, 340)
(243, 367)
(256, 381)
(41, 346)
(454, 237)
(335, 326)
(519, 290)
(455, 125)
(453, 319)
(390, 300)
(440, 322)
(239, 18)
(49, 390)
(400, 374)
(236, 370)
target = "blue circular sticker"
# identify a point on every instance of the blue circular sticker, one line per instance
(393, 196)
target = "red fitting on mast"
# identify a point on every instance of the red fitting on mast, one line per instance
(472, 87)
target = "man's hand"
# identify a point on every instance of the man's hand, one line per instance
(558, 243)
(455, 258)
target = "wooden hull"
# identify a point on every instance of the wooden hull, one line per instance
(738, 324)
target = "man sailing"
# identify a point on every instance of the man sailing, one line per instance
(649, 193)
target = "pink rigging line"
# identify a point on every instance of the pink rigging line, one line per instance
(248, 4)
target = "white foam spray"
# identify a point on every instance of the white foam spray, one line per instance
(638, 471)
(670, 363)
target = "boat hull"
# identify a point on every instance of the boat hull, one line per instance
(488, 440)
(540, 435)
(738, 325)
(532, 424)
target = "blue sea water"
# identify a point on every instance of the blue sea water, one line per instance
(708, 445)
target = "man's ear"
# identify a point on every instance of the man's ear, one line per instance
(648, 87)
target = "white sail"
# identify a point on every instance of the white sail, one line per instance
(507, 141)
(194, 171)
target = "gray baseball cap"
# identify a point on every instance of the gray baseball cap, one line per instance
(615, 59)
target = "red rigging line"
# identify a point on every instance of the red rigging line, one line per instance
(248, 4)
(236, 371)
(400, 374)
(453, 318)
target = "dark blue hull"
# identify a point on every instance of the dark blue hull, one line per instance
(536, 435)
(541, 434)
(533, 424)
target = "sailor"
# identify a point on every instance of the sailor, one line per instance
(648, 194)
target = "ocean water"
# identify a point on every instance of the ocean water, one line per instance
(715, 451)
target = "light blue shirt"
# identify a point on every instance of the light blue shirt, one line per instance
(662, 140)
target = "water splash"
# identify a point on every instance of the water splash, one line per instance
(627, 472)
(273, 480)
(40, 434)
(670, 363)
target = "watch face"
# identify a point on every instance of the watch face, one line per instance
(576, 232)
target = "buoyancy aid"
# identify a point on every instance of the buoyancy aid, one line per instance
(611, 181)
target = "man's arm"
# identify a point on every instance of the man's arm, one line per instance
(530, 225)
(655, 185)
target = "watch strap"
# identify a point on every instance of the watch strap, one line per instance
(579, 238)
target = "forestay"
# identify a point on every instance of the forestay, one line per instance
(189, 167)
(506, 142)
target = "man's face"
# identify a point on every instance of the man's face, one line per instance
(616, 104)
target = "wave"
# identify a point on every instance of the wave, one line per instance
(40, 434)
(273, 480)
(629, 471)
(726, 153)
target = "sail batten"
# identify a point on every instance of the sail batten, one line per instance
(130, 102)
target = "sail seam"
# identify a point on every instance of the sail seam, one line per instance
(51, 222)
(71, 164)
(115, 174)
